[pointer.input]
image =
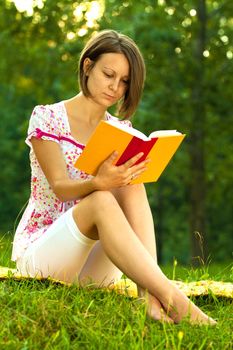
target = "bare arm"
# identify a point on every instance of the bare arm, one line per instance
(51, 160)
(52, 163)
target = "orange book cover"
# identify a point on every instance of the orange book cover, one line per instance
(110, 136)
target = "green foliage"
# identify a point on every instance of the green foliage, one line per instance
(187, 91)
(184, 90)
(38, 66)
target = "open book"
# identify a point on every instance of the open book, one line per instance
(110, 136)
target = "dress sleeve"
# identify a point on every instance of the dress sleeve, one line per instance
(127, 122)
(43, 125)
(121, 121)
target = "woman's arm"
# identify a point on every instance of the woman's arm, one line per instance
(51, 160)
(52, 163)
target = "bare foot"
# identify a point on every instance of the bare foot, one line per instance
(196, 316)
(179, 308)
(156, 311)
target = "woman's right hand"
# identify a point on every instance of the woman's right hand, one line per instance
(111, 176)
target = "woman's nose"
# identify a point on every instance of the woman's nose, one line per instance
(114, 85)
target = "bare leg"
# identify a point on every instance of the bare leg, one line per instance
(99, 269)
(100, 216)
(134, 203)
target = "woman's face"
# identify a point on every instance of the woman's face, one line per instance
(109, 78)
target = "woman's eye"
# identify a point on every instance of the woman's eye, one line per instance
(107, 75)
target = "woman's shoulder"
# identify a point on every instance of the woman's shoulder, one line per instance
(49, 108)
(48, 118)
(49, 113)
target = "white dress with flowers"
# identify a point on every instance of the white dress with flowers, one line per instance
(49, 122)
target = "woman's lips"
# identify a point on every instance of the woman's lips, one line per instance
(110, 97)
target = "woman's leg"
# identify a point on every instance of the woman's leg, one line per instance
(100, 216)
(134, 203)
(99, 269)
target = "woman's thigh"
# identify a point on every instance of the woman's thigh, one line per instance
(60, 253)
(98, 269)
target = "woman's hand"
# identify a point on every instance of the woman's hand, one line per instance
(111, 176)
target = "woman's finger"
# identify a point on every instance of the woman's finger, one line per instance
(140, 166)
(133, 160)
(136, 173)
(112, 158)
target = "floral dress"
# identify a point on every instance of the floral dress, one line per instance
(49, 122)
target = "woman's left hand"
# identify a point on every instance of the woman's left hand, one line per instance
(111, 176)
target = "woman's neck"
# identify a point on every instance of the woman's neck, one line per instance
(84, 108)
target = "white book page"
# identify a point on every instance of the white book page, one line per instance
(161, 133)
(139, 134)
(129, 129)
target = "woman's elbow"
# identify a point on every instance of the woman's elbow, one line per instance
(61, 196)
(59, 191)
(64, 192)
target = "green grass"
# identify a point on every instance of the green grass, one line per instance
(45, 315)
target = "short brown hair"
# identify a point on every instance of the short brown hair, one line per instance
(110, 41)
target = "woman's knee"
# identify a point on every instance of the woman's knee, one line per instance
(120, 193)
(102, 199)
(95, 203)
(90, 210)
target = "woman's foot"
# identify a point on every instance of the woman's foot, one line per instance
(156, 311)
(179, 308)
(196, 316)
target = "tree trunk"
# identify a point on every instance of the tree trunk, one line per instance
(197, 135)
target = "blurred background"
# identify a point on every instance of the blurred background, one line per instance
(188, 51)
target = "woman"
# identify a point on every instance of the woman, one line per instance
(80, 228)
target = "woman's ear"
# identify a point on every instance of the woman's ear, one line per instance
(87, 63)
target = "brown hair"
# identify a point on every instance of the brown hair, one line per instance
(110, 41)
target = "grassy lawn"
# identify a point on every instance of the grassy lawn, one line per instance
(44, 315)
